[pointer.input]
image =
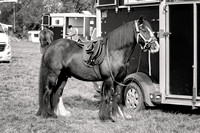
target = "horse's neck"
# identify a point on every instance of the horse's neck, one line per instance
(122, 40)
(122, 54)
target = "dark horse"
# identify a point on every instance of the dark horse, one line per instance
(45, 37)
(63, 59)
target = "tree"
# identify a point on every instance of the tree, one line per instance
(84, 5)
(29, 12)
(53, 5)
(78, 5)
(6, 13)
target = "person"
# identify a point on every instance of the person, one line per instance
(73, 33)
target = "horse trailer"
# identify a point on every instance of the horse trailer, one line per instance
(84, 23)
(171, 76)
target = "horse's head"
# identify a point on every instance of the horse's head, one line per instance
(145, 36)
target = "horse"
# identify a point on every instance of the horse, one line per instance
(63, 59)
(45, 37)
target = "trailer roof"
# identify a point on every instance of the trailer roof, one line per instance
(71, 15)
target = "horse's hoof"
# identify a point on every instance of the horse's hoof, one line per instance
(46, 114)
(54, 116)
(127, 116)
(66, 114)
(38, 113)
(108, 119)
(63, 113)
(113, 118)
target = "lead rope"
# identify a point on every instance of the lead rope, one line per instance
(149, 61)
(138, 67)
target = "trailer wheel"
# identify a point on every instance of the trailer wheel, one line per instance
(134, 99)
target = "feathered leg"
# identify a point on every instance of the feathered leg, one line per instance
(57, 101)
(105, 108)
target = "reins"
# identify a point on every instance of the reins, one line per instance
(138, 67)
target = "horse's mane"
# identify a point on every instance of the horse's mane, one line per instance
(122, 36)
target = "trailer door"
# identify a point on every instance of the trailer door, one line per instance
(180, 49)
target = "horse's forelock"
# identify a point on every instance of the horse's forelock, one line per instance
(146, 23)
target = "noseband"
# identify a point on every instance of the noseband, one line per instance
(151, 40)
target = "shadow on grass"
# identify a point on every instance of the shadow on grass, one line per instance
(4, 62)
(81, 102)
(176, 109)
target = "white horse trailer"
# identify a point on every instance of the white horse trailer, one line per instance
(171, 76)
(84, 23)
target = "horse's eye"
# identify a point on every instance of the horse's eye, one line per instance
(143, 29)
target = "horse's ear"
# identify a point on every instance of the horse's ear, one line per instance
(141, 19)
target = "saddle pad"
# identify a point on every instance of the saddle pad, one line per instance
(92, 53)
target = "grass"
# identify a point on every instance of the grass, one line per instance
(19, 103)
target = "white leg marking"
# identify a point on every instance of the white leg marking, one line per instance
(60, 110)
(120, 112)
(123, 114)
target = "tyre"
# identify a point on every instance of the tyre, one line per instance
(134, 98)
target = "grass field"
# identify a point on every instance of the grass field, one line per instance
(19, 103)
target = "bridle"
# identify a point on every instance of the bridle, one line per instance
(147, 43)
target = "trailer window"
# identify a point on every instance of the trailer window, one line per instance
(45, 20)
(106, 2)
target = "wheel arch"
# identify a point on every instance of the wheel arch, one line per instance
(144, 82)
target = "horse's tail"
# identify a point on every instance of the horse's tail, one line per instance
(45, 107)
(42, 77)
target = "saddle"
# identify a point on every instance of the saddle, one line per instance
(93, 51)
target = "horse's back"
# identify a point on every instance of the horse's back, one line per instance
(61, 47)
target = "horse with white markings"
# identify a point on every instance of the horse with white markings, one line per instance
(64, 58)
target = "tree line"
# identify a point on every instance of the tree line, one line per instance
(28, 13)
